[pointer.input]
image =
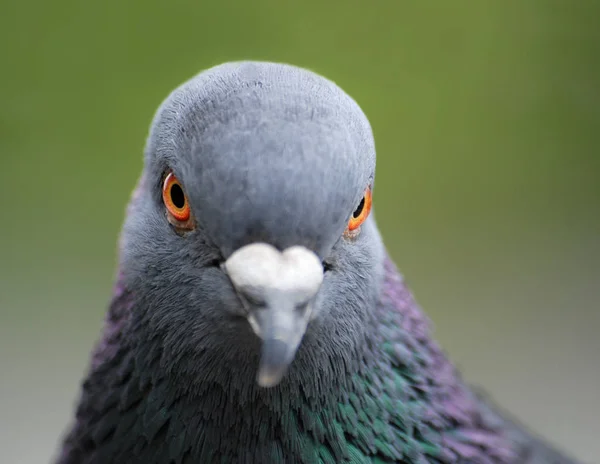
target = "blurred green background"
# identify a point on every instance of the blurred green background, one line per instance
(487, 120)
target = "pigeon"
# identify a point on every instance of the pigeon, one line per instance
(256, 316)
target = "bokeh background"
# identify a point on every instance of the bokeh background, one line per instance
(487, 120)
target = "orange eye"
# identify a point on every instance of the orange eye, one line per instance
(361, 213)
(175, 199)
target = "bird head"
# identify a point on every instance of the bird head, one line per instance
(250, 235)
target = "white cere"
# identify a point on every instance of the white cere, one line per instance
(296, 270)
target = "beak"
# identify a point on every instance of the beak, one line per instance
(278, 290)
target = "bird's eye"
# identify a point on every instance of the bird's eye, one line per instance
(178, 208)
(361, 213)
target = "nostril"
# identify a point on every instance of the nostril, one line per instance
(216, 262)
(301, 307)
(253, 299)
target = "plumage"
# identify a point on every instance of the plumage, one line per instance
(274, 154)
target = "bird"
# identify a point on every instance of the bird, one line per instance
(256, 315)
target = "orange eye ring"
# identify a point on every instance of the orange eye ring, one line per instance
(175, 200)
(362, 211)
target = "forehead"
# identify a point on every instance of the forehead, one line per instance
(246, 95)
(270, 144)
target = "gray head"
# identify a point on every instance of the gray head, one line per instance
(249, 236)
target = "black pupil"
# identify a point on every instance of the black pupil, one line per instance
(358, 210)
(177, 196)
